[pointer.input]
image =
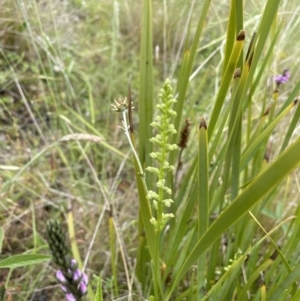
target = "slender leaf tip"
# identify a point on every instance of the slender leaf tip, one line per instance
(251, 49)
(202, 124)
(296, 100)
(241, 35)
(237, 73)
(268, 109)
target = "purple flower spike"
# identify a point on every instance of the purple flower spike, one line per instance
(282, 79)
(60, 277)
(70, 297)
(74, 282)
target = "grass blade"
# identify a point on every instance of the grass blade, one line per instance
(264, 182)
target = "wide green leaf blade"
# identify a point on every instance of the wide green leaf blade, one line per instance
(22, 260)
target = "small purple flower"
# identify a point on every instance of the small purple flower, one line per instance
(85, 279)
(70, 297)
(77, 275)
(61, 277)
(283, 78)
(64, 289)
(82, 288)
(73, 264)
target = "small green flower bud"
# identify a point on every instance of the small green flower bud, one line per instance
(160, 183)
(152, 195)
(172, 113)
(167, 216)
(155, 155)
(167, 189)
(153, 170)
(156, 141)
(168, 202)
(153, 221)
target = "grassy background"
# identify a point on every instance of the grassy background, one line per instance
(61, 65)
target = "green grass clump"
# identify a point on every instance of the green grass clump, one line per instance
(198, 200)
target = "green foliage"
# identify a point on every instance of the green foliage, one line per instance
(2, 293)
(62, 150)
(234, 155)
(23, 260)
(99, 295)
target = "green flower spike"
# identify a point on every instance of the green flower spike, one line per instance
(165, 129)
(57, 243)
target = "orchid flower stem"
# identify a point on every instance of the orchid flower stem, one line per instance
(130, 142)
(142, 174)
(127, 134)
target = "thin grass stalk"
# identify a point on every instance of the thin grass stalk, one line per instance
(33, 225)
(213, 261)
(146, 87)
(145, 208)
(277, 290)
(145, 133)
(33, 43)
(189, 241)
(291, 129)
(99, 292)
(231, 34)
(181, 226)
(203, 197)
(254, 275)
(239, 25)
(294, 228)
(214, 192)
(215, 144)
(248, 134)
(232, 130)
(72, 236)
(286, 264)
(292, 95)
(269, 14)
(218, 290)
(234, 121)
(91, 127)
(250, 149)
(145, 213)
(235, 152)
(264, 66)
(184, 80)
(113, 261)
(225, 84)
